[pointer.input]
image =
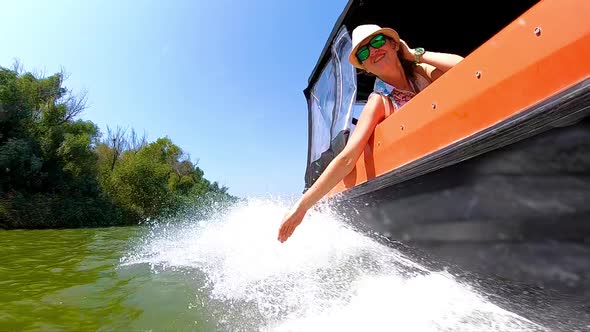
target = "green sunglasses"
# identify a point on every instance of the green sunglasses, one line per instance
(363, 52)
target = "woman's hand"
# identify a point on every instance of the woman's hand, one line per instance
(291, 220)
(407, 52)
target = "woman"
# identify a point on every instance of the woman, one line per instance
(401, 73)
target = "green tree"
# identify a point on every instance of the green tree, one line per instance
(47, 157)
(57, 170)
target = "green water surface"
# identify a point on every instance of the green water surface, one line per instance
(72, 280)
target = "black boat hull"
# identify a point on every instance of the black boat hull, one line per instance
(515, 218)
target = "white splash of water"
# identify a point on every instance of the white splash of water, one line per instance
(325, 277)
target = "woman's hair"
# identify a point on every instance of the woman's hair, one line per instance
(408, 66)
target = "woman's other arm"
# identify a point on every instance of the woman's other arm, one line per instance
(434, 63)
(442, 61)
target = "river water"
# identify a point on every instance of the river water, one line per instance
(230, 273)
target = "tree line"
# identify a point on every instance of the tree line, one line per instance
(60, 171)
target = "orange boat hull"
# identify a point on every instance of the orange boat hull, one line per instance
(486, 171)
(542, 53)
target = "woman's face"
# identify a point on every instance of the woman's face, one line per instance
(382, 59)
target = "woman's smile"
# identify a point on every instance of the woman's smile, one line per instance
(378, 57)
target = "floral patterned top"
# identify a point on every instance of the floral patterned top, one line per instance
(397, 96)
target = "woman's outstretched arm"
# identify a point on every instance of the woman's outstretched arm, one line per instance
(339, 167)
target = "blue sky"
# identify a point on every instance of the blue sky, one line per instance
(223, 79)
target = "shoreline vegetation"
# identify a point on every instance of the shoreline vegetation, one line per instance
(59, 171)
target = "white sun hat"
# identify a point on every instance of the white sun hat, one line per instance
(364, 32)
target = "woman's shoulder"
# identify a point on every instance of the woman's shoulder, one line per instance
(423, 77)
(425, 70)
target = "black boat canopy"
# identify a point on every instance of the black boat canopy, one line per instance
(455, 26)
(336, 91)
